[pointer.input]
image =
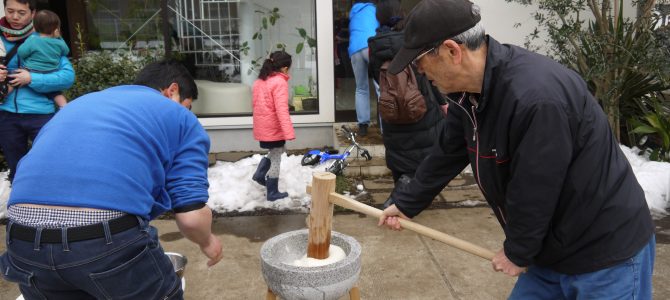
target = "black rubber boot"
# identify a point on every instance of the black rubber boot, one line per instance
(362, 129)
(272, 184)
(262, 169)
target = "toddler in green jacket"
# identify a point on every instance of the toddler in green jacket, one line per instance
(42, 53)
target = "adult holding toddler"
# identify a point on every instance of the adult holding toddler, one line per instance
(41, 53)
(27, 108)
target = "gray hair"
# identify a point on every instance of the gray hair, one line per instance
(474, 37)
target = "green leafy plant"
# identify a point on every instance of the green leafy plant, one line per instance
(306, 39)
(98, 70)
(269, 19)
(619, 58)
(654, 132)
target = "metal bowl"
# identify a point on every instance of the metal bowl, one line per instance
(178, 262)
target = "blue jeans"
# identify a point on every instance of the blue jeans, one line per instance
(630, 279)
(359, 63)
(126, 265)
(15, 131)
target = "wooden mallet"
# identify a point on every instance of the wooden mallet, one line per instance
(321, 215)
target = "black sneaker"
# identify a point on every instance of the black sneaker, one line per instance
(362, 129)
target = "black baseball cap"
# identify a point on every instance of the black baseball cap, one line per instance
(430, 22)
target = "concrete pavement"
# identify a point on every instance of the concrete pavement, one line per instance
(395, 265)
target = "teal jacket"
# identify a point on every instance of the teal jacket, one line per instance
(31, 99)
(42, 53)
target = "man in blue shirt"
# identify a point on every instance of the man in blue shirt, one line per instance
(78, 222)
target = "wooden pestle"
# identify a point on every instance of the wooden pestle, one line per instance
(320, 215)
(334, 198)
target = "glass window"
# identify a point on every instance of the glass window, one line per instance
(227, 41)
(223, 42)
(115, 24)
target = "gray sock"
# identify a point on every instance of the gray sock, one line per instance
(275, 159)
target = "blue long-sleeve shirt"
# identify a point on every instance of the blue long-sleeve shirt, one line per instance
(126, 148)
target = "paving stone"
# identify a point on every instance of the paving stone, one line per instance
(367, 171)
(457, 182)
(378, 184)
(456, 195)
(379, 198)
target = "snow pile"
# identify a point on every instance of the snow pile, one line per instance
(654, 177)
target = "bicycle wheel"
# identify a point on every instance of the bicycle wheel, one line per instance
(337, 167)
(310, 159)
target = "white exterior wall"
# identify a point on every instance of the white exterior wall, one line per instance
(500, 16)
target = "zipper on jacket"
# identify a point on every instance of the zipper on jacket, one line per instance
(16, 104)
(474, 138)
(502, 216)
(16, 92)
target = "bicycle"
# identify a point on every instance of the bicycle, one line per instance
(335, 163)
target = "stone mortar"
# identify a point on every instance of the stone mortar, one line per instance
(325, 282)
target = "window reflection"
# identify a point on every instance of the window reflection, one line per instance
(223, 42)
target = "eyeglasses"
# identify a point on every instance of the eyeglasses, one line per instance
(415, 61)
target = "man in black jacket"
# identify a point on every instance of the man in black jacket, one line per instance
(406, 144)
(543, 155)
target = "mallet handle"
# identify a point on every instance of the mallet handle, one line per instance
(466, 246)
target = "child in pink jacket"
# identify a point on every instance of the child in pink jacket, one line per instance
(272, 123)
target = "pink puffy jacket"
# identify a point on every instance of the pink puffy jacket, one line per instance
(271, 118)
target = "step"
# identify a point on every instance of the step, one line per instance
(358, 166)
(362, 167)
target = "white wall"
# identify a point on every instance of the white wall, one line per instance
(500, 16)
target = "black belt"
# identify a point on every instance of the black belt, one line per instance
(79, 233)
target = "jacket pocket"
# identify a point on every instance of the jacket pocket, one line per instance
(138, 278)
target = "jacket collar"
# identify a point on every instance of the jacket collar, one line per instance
(495, 58)
(282, 75)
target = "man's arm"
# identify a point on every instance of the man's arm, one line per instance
(539, 166)
(196, 225)
(186, 183)
(54, 81)
(447, 159)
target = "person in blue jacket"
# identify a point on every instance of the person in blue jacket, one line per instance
(42, 53)
(79, 224)
(362, 25)
(27, 108)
